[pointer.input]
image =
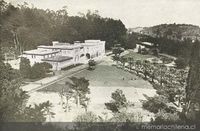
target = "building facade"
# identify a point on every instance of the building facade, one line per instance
(61, 55)
(144, 45)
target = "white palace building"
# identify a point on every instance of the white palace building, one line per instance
(61, 55)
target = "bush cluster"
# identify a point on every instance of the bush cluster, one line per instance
(38, 70)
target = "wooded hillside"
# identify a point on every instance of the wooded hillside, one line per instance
(173, 31)
(23, 28)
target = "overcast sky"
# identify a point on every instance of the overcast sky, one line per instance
(133, 13)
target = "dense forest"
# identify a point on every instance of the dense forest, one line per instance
(24, 28)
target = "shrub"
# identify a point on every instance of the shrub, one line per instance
(37, 71)
(154, 104)
(46, 66)
(144, 51)
(87, 117)
(166, 60)
(125, 116)
(180, 63)
(155, 52)
(119, 101)
(139, 50)
(117, 50)
(91, 64)
(25, 67)
(116, 58)
(70, 67)
(164, 117)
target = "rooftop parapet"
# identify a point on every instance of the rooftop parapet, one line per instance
(92, 41)
(60, 44)
(39, 52)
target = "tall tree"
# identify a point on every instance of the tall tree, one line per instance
(80, 88)
(12, 22)
(192, 109)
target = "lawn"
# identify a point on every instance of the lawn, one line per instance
(137, 56)
(104, 76)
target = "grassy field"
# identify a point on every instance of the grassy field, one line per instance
(104, 76)
(137, 56)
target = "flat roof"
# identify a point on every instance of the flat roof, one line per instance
(146, 43)
(57, 58)
(67, 47)
(92, 41)
(39, 52)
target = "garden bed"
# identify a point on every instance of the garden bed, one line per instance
(70, 67)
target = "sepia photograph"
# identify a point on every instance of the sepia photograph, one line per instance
(99, 65)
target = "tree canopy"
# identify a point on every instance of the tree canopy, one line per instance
(25, 27)
(13, 99)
